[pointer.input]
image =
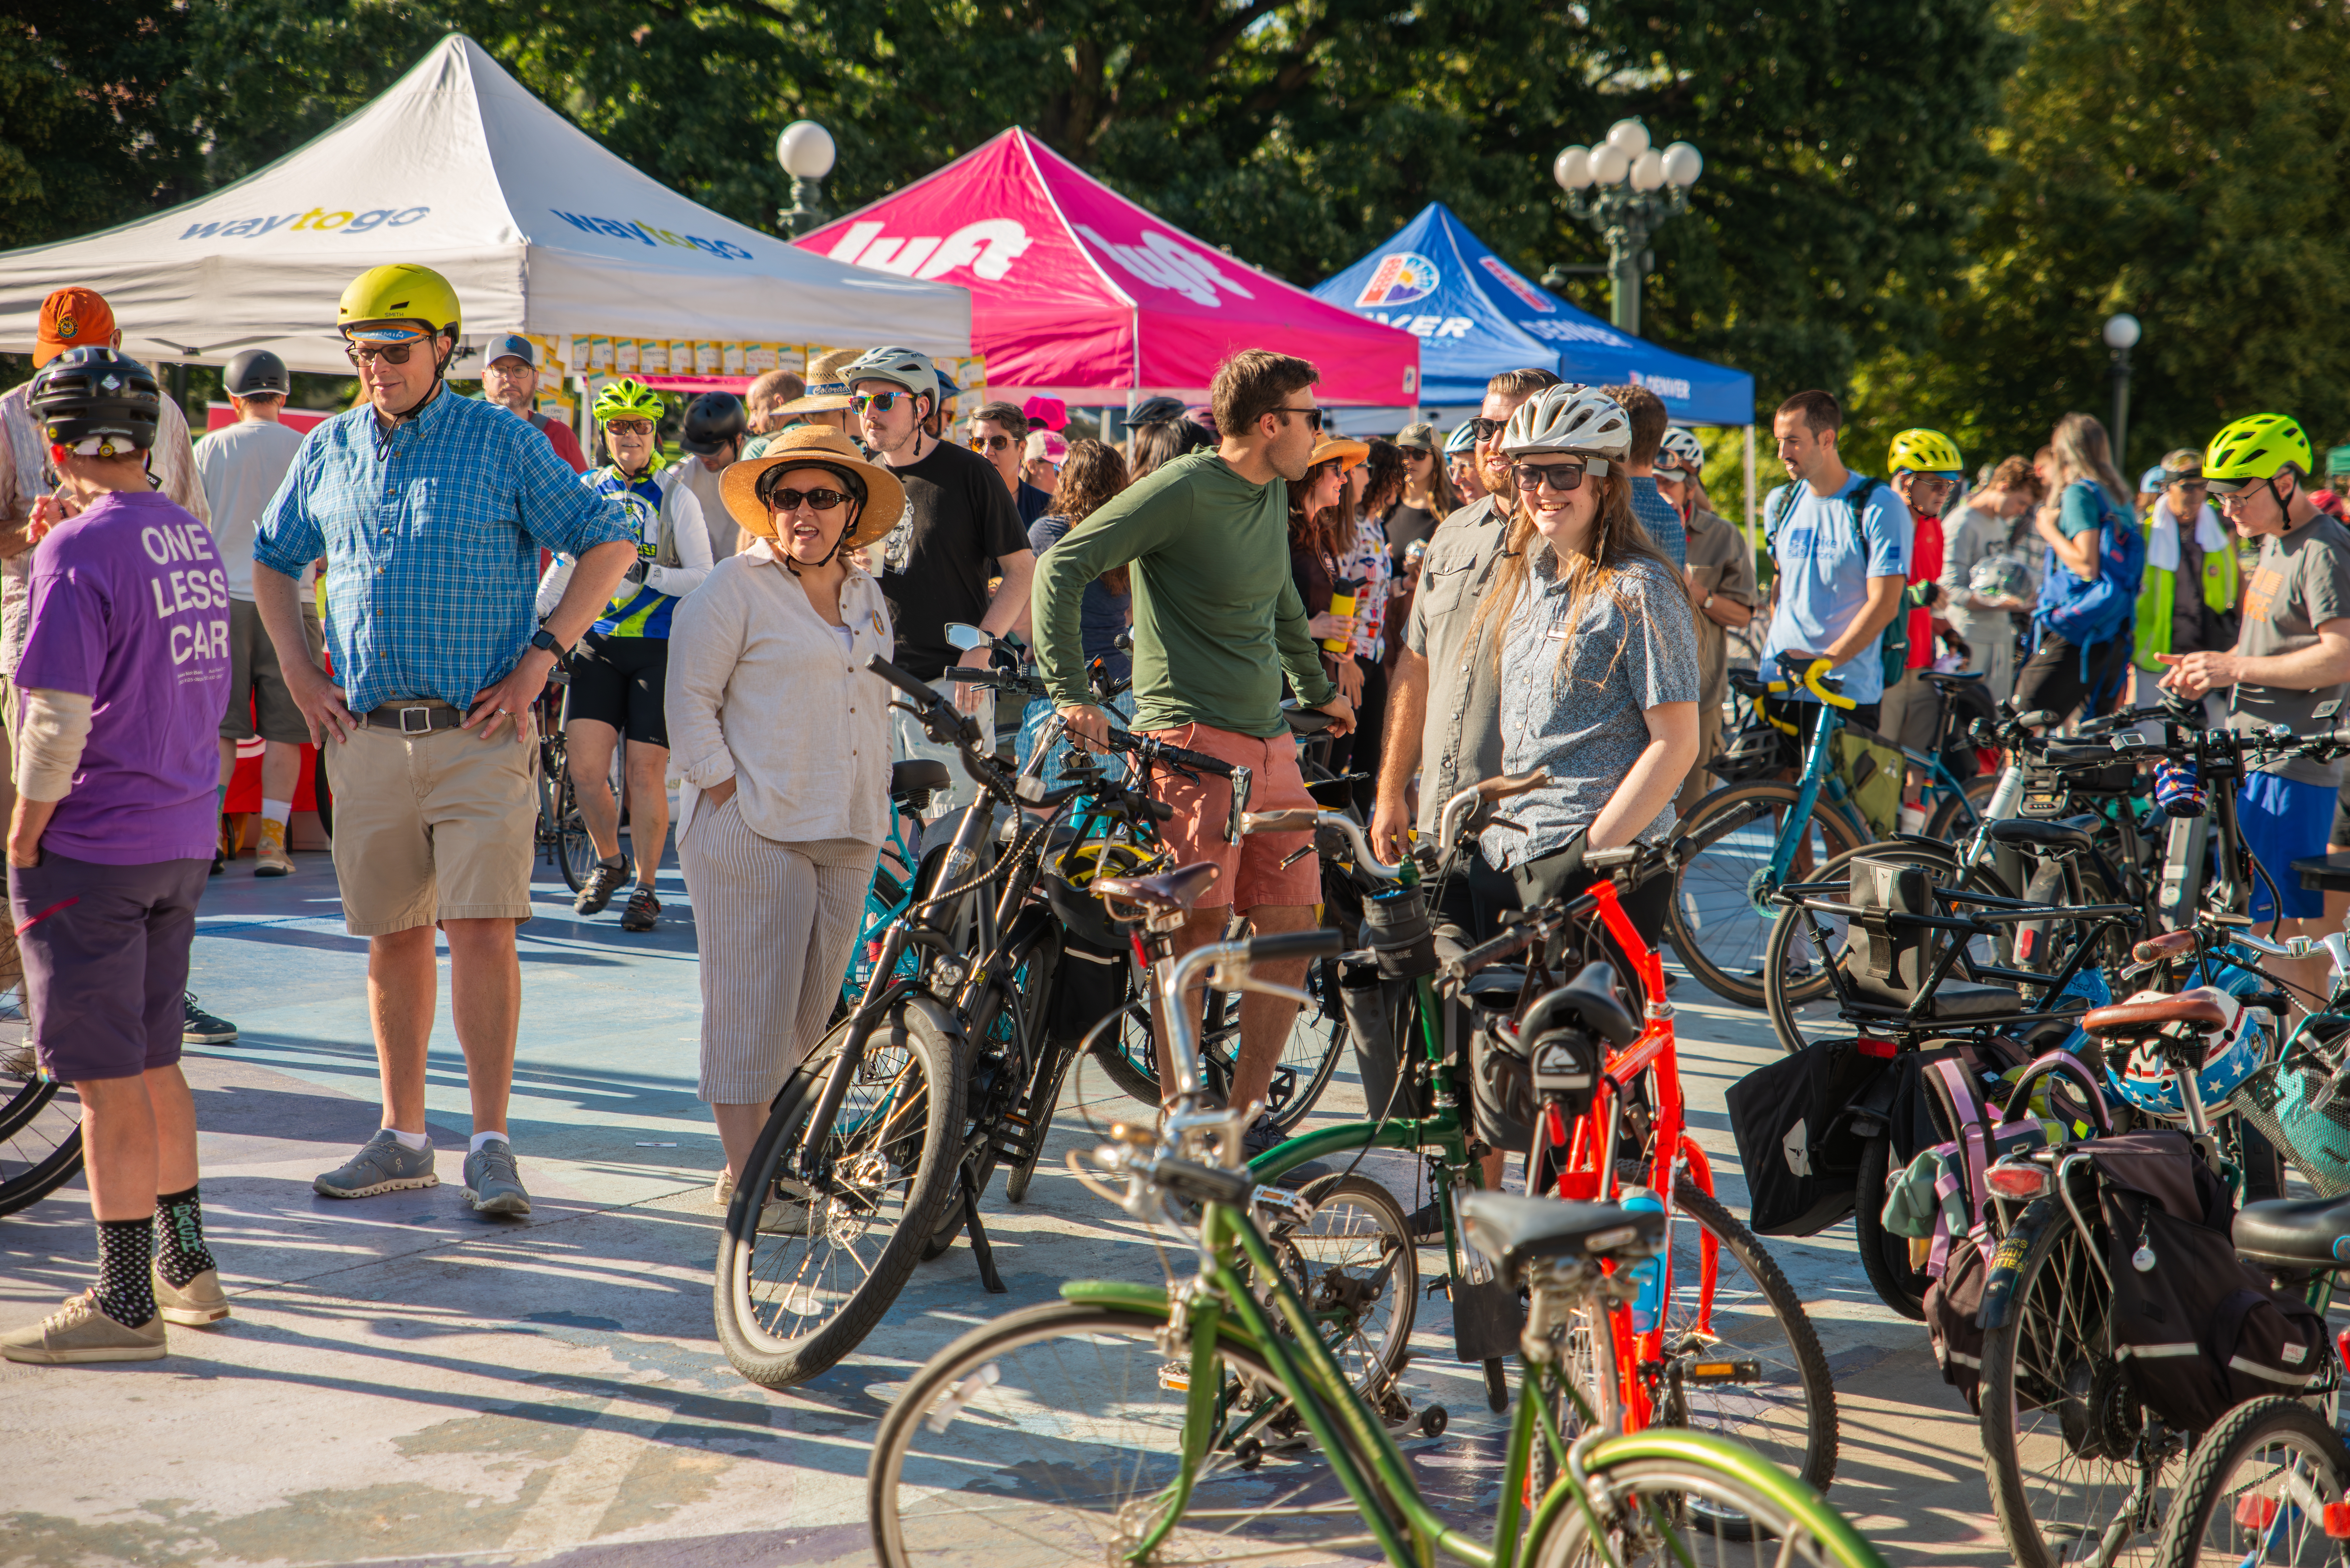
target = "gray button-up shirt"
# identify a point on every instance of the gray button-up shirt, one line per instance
(1575, 699)
(1461, 742)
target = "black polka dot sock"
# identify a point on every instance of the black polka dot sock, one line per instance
(179, 1251)
(126, 1249)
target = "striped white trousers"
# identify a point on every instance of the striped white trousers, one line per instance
(774, 923)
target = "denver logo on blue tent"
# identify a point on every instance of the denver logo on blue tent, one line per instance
(1476, 316)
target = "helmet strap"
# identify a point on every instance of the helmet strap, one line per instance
(847, 528)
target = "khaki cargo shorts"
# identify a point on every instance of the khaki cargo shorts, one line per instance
(441, 827)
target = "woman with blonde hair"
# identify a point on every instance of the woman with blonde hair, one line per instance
(1597, 653)
(782, 739)
(2084, 629)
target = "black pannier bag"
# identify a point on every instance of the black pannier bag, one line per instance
(1791, 1119)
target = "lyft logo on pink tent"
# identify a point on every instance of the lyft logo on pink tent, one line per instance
(1162, 262)
(988, 247)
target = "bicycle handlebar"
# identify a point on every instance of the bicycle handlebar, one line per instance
(1812, 680)
(1280, 945)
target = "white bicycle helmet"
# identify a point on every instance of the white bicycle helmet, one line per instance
(1570, 418)
(1680, 450)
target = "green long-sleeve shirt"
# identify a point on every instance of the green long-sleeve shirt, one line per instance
(1217, 621)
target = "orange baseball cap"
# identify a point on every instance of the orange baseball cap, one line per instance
(72, 318)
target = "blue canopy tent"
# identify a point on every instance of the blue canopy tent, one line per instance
(1476, 317)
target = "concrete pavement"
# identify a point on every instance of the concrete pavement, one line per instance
(405, 1382)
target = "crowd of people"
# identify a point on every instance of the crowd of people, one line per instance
(1546, 587)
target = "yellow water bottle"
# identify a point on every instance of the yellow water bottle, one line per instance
(1342, 604)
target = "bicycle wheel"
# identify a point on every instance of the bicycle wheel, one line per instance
(40, 1118)
(1044, 1098)
(1309, 1057)
(1666, 1498)
(1884, 1255)
(1948, 819)
(1721, 914)
(2068, 1452)
(790, 1304)
(1003, 1028)
(1051, 1436)
(1357, 1267)
(2258, 1489)
(1794, 971)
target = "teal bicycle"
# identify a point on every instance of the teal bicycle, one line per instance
(895, 876)
(1751, 839)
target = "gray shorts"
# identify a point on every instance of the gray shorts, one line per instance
(258, 698)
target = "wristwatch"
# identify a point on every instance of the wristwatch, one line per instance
(544, 640)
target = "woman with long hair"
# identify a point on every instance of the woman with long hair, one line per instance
(1427, 497)
(1370, 561)
(1091, 475)
(1597, 653)
(2081, 522)
(1321, 535)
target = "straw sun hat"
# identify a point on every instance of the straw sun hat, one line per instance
(816, 446)
(827, 390)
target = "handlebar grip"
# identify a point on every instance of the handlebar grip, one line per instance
(917, 689)
(1294, 819)
(1198, 762)
(1324, 943)
(1812, 674)
(1485, 954)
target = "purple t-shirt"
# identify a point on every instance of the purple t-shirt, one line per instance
(130, 608)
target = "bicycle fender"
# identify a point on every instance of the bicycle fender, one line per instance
(2007, 1259)
(1119, 1294)
(1919, 841)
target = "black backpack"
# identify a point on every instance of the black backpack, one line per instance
(1893, 643)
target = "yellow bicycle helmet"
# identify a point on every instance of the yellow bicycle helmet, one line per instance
(2254, 448)
(1924, 451)
(1068, 885)
(629, 399)
(402, 292)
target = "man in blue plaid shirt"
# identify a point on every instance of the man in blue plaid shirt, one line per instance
(430, 510)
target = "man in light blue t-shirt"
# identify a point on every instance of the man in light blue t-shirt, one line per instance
(1838, 588)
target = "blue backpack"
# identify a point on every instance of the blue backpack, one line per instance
(2087, 612)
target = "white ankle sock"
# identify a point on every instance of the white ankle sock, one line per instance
(481, 1138)
(412, 1142)
(277, 811)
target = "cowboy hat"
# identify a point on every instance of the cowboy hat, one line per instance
(1347, 454)
(814, 446)
(827, 393)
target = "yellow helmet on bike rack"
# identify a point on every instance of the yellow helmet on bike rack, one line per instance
(1068, 877)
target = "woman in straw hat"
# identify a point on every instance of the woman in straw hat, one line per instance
(783, 741)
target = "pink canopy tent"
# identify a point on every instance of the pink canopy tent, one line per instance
(1078, 293)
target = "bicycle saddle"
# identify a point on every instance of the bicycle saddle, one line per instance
(2200, 1007)
(1590, 997)
(1948, 678)
(1512, 1231)
(2306, 1233)
(1163, 891)
(2070, 837)
(920, 774)
(1306, 721)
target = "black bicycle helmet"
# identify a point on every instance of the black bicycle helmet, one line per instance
(1068, 873)
(712, 421)
(98, 401)
(256, 373)
(1156, 411)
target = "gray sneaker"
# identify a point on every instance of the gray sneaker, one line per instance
(492, 1185)
(383, 1165)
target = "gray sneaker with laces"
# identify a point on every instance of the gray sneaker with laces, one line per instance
(382, 1165)
(492, 1184)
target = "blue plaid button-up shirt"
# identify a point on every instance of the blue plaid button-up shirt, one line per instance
(432, 549)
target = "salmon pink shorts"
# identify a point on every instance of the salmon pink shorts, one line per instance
(1253, 873)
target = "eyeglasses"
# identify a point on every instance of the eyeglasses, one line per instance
(2192, 485)
(877, 402)
(780, 501)
(990, 443)
(1312, 417)
(1920, 484)
(629, 427)
(1561, 477)
(389, 353)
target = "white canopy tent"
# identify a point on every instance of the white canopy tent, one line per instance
(457, 166)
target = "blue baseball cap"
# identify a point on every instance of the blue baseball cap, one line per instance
(511, 345)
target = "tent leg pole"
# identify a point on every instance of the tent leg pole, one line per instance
(1753, 544)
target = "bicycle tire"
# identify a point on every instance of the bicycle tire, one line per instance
(1780, 997)
(2210, 1496)
(1060, 1057)
(40, 1118)
(574, 848)
(990, 1037)
(1650, 1476)
(1312, 1052)
(2041, 1368)
(1885, 1256)
(904, 1048)
(1948, 818)
(1068, 1442)
(1360, 1241)
(1715, 926)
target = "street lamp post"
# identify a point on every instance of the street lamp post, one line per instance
(1625, 189)
(806, 150)
(2122, 333)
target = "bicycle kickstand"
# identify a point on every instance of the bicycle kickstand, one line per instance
(978, 1234)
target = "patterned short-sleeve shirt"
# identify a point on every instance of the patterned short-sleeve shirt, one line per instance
(1575, 699)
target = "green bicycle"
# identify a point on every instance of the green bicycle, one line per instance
(1126, 1424)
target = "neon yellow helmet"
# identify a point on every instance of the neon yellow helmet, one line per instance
(1924, 451)
(629, 399)
(2255, 447)
(402, 291)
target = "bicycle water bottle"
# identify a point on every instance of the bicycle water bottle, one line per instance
(1650, 1304)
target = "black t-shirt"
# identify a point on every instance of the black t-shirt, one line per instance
(935, 563)
(1032, 502)
(1406, 525)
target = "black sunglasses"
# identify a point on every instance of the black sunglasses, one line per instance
(1312, 417)
(1561, 477)
(816, 499)
(1487, 428)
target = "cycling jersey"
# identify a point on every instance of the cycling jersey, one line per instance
(641, 607)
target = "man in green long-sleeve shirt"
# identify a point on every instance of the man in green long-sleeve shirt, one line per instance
(1217, 623)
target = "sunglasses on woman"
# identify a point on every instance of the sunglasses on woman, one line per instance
(782, 500)
(630, 427)
(1560, 478)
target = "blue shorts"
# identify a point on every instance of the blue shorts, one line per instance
(2284, 820)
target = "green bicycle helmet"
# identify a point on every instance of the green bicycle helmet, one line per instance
(2254, 448)
(1924, 451)
(627, 398)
